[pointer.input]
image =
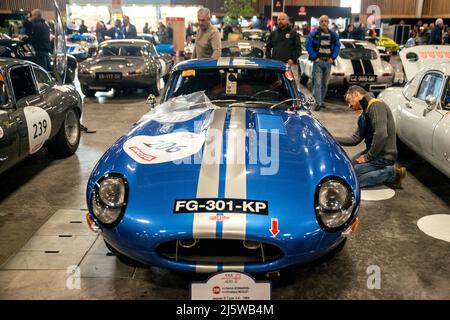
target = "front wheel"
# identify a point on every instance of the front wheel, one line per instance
(66, 141)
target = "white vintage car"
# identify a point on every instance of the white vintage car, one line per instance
(422, 108)
(358, 63)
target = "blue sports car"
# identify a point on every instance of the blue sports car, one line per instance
(81, 46)
(229, 172)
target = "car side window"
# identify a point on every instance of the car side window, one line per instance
(446, 98)
(43, 79)
(22, 82)
(431, 85)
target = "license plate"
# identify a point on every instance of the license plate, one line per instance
(109, 76)
(221, 205)
(369, 78)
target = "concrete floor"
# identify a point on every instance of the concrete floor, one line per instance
(43, 230)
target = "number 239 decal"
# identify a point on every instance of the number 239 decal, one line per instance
(39, 127)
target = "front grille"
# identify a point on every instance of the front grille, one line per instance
(219, 250)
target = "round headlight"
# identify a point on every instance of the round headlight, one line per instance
(334, 204)
(112, 192)
(108, 199)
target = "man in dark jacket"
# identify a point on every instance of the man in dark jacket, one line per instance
(40, 39)
(323, 48)
(376, 126)
(436, 32)
(359, 32)
(116, 32)
(129, 29)
(284, 42)
(82, 29)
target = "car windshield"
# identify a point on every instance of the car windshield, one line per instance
(241, 84)
(358, 54)
(123, 51)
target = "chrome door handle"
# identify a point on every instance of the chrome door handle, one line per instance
(3, 158)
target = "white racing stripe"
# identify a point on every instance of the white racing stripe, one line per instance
(233, 267)
(223, 62)
(208, 181)
(236, 178)
(206, 267)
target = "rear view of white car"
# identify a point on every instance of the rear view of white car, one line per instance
(422, 108)
(358, 63)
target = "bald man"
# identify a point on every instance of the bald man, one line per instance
(40, 38)
(284, 42)
(323, 48)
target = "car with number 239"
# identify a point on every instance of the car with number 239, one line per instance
(233, 173)
(36, 108)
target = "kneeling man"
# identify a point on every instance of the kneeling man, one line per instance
(376, 126)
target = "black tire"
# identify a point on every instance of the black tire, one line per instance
(155, 87)
(87, 92)
(66, 141)
(304, 80)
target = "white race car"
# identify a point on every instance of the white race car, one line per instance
(358, 63)
(422, 108)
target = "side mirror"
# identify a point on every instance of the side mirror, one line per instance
(151, 101)
(431, 103)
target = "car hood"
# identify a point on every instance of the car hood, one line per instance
(416, 58)
(164, 161)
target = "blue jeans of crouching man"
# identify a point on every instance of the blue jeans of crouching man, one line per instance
(374, 172)
(321, 74)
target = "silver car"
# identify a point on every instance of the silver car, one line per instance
(124, 64)
(358, 63)
(422, 108)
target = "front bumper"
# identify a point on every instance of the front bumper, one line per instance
(299, 250)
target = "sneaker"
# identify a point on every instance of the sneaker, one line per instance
(400, 174)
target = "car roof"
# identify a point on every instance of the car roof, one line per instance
(232, 62)
(125, 41)
(443, 67)
(8, 62)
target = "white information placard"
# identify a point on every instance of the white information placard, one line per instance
(231, 286)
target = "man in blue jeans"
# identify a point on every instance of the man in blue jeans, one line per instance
(323, 48)
(376, 126)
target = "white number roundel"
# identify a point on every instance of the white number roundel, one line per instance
(39, 127)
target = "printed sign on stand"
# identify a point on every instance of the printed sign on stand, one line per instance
(231, 286)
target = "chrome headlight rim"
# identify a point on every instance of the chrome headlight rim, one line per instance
(95, 196)
(352, 204)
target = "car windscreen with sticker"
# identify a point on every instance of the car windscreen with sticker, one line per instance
(250, 84)
(358, 54)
